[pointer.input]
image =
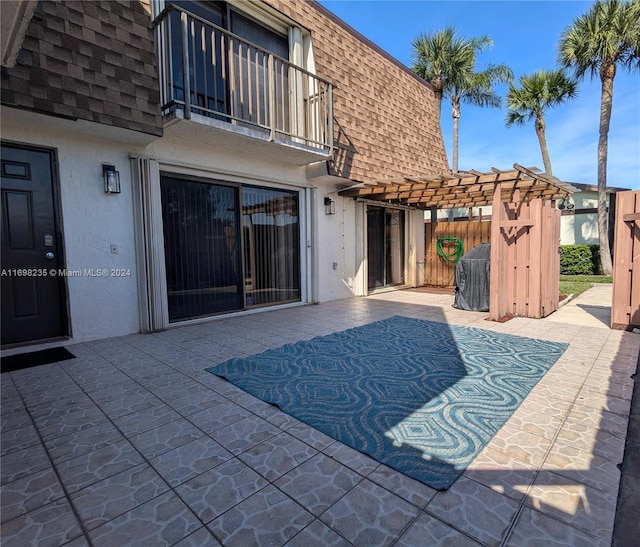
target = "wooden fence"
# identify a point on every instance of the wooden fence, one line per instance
(437, 272)
(525, 259)
(625, 309)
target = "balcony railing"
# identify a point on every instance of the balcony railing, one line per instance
(209, 71)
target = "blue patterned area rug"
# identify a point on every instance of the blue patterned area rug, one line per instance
(419, 396)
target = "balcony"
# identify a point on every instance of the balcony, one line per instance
(218, 88)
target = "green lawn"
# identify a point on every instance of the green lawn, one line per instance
(577, 284)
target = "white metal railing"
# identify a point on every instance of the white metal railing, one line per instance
(207, 70)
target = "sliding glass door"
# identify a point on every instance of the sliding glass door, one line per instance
(385, 247)
(202, 247)
(271, 229)
(228, 247)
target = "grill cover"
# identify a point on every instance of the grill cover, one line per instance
(472, 279)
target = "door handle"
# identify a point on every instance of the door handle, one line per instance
(49, 255)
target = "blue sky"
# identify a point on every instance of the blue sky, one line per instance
(525, 35)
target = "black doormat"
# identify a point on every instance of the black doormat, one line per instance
(34, 359)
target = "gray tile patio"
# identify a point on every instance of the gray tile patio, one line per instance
(133, 443)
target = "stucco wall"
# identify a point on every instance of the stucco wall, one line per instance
(92, 221)
(336, 245)
(581, 228)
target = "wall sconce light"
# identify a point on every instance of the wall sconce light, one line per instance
(111, 179)
(329, 206)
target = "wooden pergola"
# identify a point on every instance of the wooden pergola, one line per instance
(468, 189)
(525, 227)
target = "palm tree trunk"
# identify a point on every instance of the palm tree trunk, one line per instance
(455, 113)
(438, 91)
(542, 139)
(606, 74)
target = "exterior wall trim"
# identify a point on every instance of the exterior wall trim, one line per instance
(186, 168)
(16, 19)
(149, 240)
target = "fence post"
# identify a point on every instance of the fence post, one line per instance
(185, 65)
(272, 99)
(330, 118)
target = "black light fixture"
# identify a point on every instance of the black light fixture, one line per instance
(111, 179)
(566, 204)
(329, 206)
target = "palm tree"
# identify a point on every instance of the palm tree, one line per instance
(475, 88)
(440, 55)
(537, 93)
(447, 61)
(598, 42)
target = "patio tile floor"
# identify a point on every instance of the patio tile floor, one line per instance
(133, 443)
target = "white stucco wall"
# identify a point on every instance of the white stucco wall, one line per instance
(581, 228)
(207, 160)
(92, 221)
(336, 246)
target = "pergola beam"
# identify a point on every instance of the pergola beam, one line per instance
(467, 189)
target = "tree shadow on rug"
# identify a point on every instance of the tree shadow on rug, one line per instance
(422, 397)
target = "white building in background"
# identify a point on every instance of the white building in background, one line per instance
(579, 221)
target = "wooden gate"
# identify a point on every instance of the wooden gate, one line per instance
(625, 309)
(525, 259)
(437, 272)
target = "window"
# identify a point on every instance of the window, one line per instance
(251, 67)
(206, 50)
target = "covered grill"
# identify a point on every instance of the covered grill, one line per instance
(472, 279)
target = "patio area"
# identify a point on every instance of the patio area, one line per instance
(134, 443)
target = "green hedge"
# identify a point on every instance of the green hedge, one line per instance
(580, 260)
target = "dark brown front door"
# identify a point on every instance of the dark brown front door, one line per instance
(33, 300)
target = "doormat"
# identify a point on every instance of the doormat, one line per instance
(422, 397)
(34, 359)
